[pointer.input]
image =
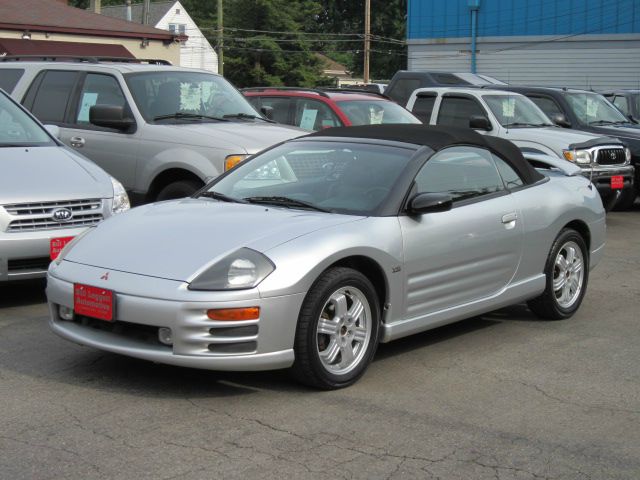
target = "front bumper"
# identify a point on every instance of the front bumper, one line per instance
(198, 342)
(601, 178)
(25, 255)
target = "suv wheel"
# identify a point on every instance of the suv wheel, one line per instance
(179, 189)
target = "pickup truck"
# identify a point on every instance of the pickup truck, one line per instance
(590, 112)
(509, 115)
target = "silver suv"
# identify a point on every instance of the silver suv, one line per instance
(48, 194)
(163, 131)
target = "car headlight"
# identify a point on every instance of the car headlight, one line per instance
(242, 269)
(120, 197)
(627, 155)
(231, 161)
(577, 156)
(67, 248)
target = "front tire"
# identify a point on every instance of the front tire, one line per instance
(338, 330)
(179, 189)
(567, 273)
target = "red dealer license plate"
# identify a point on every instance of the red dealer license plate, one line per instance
(93, 302)
(56, 245)
(617, 182)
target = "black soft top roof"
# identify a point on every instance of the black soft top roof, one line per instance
(437, 138)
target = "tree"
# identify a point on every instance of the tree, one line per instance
(388, 30)
(265, 43)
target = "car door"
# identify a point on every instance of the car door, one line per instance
(455, 110)
(423, 106)
(114, 150)
(63, 98)
(470, 252)
(311, 114)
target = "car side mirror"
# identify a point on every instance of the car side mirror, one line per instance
(560, 120)
(479, 122)
(54, 130)
(267, 112)
(430, 203)
(110, 116)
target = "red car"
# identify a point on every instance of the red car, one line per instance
(315, 109)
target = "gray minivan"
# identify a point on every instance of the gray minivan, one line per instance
(48, 194)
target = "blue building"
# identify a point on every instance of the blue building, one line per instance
(574, 43)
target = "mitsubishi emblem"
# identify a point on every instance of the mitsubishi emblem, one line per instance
(105, 276)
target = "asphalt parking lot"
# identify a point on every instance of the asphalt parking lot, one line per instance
(504, 396)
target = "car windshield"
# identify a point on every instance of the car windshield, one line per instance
(17, 129)
(594, 109)
(340, 177)
(372, 112)
(174, 96)
(516, 111)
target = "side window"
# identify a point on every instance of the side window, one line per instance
(462, 172)
(456, 111)
(423, 106)
(509, 175)
(98, 90)
(314, 115)
(281, 108)
(9, 78)
(51, 101)
(547, 105)
(622, 104)
(403, 89)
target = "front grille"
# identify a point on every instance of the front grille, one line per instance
(147, 334)
(38, 216)
(611, 156)
(28, 264)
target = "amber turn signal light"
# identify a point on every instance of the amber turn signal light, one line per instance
(234, 314)
(232, 160)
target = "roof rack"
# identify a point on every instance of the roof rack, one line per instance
(353, 90)
(82, 59)
(285, 89)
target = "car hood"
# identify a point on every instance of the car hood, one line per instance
(243, 137)
(553, 137)
(38, 174)
(176, 239)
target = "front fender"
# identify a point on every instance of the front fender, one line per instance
(525, 144)
(177, 158)
(302, 260)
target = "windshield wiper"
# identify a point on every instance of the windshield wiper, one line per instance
(247, 116)
(607, 122)
(286, 202)
(188, 116)
(221, 197)
(524, 124)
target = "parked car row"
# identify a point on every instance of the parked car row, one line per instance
(301, 253)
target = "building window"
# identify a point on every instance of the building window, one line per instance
(180, 28)
(177, 11)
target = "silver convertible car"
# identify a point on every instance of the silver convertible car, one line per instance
(310, 253)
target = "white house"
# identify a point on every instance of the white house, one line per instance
(195, 52)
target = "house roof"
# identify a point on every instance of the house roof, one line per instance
(46, 48)
(330, 64)
(54, 16)
(157, 10)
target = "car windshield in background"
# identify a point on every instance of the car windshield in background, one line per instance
(516, 111)
(341, 177)
(373, 112)
(594, 109)
(188, 96)
(17, 129)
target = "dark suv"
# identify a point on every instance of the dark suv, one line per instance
(627, 101)
(589, 112)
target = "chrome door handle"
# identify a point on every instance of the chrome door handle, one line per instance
(509, 217)
(76, 142)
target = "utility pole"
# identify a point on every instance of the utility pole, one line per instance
(367, 38)
(220, 40)
(145, 12)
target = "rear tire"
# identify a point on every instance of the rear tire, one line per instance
(567, 273)
(338, 330)
(179, 189)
